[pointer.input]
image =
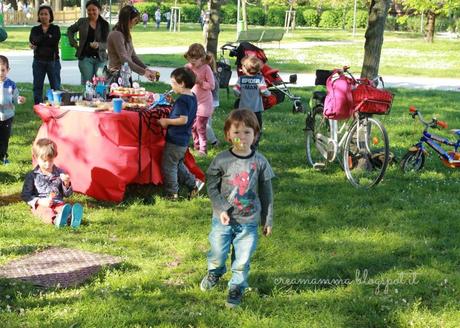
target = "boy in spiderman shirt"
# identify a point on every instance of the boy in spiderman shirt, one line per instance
(240, 189)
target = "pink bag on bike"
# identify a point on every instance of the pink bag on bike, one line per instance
(338, 104)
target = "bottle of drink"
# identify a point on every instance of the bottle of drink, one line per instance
(89, 91)
(125, 75)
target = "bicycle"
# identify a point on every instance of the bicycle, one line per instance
(362, 141)
(414, 159)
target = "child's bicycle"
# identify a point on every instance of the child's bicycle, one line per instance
(414, 159)
(360, 143)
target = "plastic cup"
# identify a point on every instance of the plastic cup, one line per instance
(117, 105)
(57, 98)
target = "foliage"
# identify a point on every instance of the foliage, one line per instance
(229, 13)
(435, 6)
(275, 16)
(256, 16)
(330, 19)
(361, 19)
(190, 13)
(311, 17)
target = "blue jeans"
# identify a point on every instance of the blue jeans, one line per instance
(244, 238)
(90, 67)
(41, 68)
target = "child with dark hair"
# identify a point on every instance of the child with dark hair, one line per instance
(46, 186)
(240, 189)
(250, 88)
(9, 96)
(179, 129)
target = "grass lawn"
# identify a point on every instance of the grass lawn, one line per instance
(327, 236)
(403, 54)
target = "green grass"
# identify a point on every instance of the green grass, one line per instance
(403, 54)
(324, 229)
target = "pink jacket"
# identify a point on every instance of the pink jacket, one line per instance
(203, 89)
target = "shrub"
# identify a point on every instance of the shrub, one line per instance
(330, 19)
(390, 23)
(401, 23)
(275, 16)
(413, 24)
(361, 19)
(190, 13)
(256, 16)
(457, 25)
(441, 24)
(228, 13)
(311, 17)
(299, 20)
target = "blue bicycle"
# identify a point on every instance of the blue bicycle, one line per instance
(414, 159)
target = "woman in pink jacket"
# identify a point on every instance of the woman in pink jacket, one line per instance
(198, 62)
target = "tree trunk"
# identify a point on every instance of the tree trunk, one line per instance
(378, 12)
(244, 13)
(212, 38)
(429, 32)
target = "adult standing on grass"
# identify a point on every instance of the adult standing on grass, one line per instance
(158, 17)
(120, 46)
(44, 40)
(92, 46)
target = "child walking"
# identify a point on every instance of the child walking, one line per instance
(250, 88)
(9, 96)
(46, 186)
(204, 84)
(240, 189)
(179, 127)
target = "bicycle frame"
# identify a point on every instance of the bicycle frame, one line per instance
(432, 141)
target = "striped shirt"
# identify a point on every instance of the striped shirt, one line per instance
(250, 89)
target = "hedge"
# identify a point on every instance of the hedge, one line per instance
(311, 17)
(256, 16)
(275, 16)
(330, 19)
(361, 19)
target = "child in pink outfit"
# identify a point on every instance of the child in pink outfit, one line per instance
(198, 62)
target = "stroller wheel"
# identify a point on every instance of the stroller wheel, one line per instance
(297, 107)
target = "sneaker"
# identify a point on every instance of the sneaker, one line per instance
(215, 144)
(199, 184)
(209, 281)
(61, 217)
(193, 193)
(5, 161)
(172, 197)
(234, 297)
(77, 215)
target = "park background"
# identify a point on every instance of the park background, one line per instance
(326, 234)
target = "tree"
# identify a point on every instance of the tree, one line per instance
(212, 37)
(432, 9)
(378, 11)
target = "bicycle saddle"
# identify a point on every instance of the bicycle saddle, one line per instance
(455, 131)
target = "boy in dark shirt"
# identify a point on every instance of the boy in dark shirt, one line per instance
(179, 130)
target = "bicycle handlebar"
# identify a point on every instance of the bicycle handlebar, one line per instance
(434, 123)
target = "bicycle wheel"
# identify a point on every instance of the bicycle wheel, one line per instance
(413, 160)
(366, 153)
(317, 132)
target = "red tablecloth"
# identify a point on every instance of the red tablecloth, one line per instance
(101, 150)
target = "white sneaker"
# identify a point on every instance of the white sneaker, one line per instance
(199, 184)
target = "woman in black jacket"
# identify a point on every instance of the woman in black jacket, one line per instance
(44, 40)
(92, 47)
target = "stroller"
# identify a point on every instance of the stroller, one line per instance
(276, 85)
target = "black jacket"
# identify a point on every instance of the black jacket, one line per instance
(81, 26)
(47, 44)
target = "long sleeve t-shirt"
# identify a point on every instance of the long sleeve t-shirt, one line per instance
(242, 187)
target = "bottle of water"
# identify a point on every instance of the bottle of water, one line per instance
(125, 75)
(89, 91)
